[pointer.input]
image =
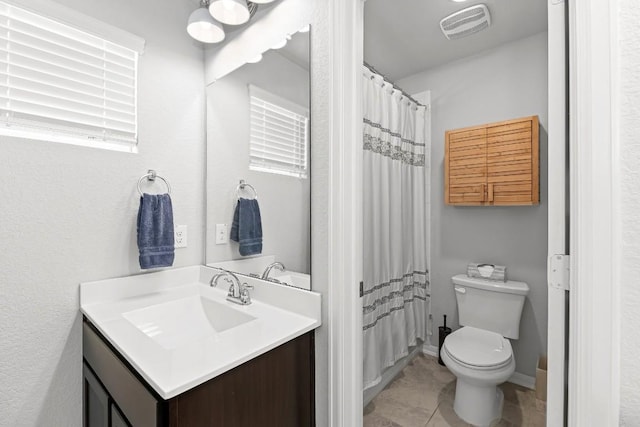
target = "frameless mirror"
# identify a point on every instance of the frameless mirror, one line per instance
(258, 122)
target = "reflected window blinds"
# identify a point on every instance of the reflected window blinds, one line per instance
(58, 83)
(279, 134)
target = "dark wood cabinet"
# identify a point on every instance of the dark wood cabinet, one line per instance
(273, 389)
(100, 410)
(117, 418)
(96, 400)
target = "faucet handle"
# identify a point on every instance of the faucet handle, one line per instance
(245, 297)
(245, 285)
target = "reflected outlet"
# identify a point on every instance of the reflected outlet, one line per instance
(222, 234)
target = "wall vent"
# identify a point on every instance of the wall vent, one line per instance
(466, 22)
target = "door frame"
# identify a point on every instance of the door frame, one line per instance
(594, 322)
(594, 340)
(558, 178)
(344, 308)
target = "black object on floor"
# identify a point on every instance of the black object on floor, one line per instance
(443, 331)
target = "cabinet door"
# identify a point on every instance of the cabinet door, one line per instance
(512, 162)
(96, 401)
(117, 419)
(466, 166)
(275, 389)
(137, 403)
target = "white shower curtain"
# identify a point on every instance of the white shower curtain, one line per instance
(396, 276)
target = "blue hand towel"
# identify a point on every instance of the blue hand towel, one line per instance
(247, 227)
(155, 231)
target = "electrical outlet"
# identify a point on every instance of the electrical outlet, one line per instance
(222, 234)
(180, 236)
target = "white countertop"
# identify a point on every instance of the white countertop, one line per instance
(173, 362)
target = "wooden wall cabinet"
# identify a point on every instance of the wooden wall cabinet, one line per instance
(493, 164)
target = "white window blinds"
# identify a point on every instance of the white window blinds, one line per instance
(62, 84)
(279, 134)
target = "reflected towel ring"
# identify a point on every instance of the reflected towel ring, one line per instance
(242, 186)
(151, 176)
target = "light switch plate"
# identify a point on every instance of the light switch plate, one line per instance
(222, 234)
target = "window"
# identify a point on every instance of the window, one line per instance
(279, 135)
(62, 84)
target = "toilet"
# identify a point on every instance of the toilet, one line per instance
(479, 354)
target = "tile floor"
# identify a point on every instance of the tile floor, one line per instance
(422, 396)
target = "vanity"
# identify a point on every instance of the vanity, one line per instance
(168, 349)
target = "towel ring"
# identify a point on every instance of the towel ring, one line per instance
(151, 176)
(242, 186)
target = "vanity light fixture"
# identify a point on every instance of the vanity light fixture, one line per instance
(205, 23)
(203, 27)
(230, 12)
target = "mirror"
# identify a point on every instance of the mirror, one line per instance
(258, 126)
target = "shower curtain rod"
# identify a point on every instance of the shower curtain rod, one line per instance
(395, 86)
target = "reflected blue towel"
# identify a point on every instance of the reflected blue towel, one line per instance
(247, 227)
(155, 231)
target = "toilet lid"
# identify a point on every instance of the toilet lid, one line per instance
(477, 347)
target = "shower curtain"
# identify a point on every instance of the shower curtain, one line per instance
(396, 276)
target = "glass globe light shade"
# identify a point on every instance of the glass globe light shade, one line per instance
(204, 28)
(230, 12)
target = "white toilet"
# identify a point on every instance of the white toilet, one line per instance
(479, 354)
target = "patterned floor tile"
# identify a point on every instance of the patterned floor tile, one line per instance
(375, 420)
(444, 417)
(423, 394)
(402, 413)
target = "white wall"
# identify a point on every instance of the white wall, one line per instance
(284, 200)
(503, 83)
(68, 215)
(629, 174)
(321, 101)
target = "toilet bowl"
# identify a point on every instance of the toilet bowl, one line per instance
(480, 360)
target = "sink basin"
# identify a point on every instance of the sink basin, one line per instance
(295, 279)
(175, 323)
(178, 332)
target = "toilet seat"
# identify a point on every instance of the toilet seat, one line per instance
(478, 349)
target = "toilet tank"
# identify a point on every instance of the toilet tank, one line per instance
(490, 305)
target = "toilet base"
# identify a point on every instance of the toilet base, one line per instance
(478, 405)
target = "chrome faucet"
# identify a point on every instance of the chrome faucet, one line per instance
(238, 291)
(277, 265)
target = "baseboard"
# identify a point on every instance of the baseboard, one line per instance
(523, 380)
(388, 375)
(431, 350)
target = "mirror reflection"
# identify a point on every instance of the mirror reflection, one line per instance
(258, 167)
